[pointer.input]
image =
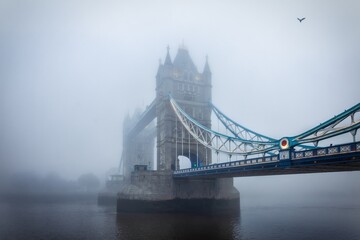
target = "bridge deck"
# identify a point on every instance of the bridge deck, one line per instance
(345, 157)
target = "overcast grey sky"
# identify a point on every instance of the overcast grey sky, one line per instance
(71, 70)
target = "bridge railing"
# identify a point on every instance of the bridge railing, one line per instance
(326, 151)
(295, 155)
(252, 161)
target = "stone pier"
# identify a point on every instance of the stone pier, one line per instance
(157, 191)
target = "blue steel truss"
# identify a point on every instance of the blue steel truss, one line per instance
(238, 130)
(220, 142)
(344, 157)
(331, 127)
(244, 141)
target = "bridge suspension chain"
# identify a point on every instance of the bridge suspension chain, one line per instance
(243, 141)
(219, 142)
(348, 121)
(240, 131)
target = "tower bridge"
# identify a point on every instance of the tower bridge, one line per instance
(183, 111)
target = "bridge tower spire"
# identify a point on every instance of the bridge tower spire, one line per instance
(206, 71)
(168, 58)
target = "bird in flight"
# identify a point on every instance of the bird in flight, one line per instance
(300, 19)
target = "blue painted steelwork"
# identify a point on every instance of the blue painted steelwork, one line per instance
(240, 131)
(344, 157)
(220, 142)
(328, 129)
(244, 141)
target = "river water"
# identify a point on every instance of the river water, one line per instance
(87, 220)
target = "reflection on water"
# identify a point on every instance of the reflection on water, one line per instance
(87, 220)
(176, 226)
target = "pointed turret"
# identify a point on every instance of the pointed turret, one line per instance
(206, 67)
(207, 72)
(168, 58)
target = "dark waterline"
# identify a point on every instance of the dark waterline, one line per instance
(87, 220)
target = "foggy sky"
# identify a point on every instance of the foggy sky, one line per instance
(71, 70)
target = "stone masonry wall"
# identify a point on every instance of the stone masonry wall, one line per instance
(160, 185)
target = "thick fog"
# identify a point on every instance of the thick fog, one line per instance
(71, 70)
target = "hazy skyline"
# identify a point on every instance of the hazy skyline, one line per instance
(71, 70)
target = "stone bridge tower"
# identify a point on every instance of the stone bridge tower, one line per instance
(158, 190)
(192, 91)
